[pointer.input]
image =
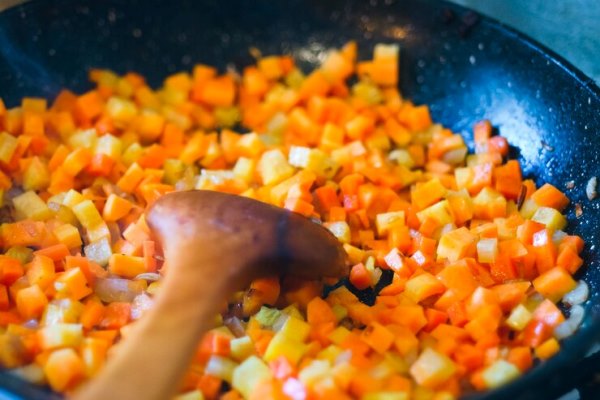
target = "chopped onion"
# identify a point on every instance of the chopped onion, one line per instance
(279, 322)
(567, 328)
(235, 325)
(111, 290)
(590, 188)
(148, 276)
(558, 236)
(344, 357)
(578, 295)
(141, 303)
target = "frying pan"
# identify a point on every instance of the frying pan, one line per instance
(466, 67)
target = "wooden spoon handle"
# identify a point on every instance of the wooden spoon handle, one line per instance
(213, 244)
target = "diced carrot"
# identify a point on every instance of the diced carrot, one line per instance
(554, 283)
(31, 302)
(56, 252)
(10, 270)
(360, 277)
(116, 315)
(550, 196)
(126, 266)
(115, 208)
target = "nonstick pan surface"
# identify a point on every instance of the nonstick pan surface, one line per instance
(466, 67)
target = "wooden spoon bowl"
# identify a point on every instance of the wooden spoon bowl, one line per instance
(214, 243)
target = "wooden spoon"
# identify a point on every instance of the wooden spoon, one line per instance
(214, 244)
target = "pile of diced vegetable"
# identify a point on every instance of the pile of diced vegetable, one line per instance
(478, 254)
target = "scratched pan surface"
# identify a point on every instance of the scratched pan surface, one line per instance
(465, 67)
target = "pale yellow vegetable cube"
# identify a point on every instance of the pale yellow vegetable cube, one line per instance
(439, 211)
(72, 198)
(249, 374)
(314, 372)
(283, 345)
(62, 310)
(295, 329)
(432, 368)
(109, 145)
(528, 208)
(292, 311)
(550, 217)
(385, 221)
(36, 176)
(221, 367)
(60, 335)
(132, 153)
(8, 145)
(244, 169)
(121, 110)
(30, 206)
(519, 317)
(340, 230)
(339, 334)
(84, 138)
(273, 167)
(487, 250)
(499, 373)
(330, 353)
(90, 218)
(242, 348)
(396, 362)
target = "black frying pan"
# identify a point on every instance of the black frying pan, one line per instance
(464, 66)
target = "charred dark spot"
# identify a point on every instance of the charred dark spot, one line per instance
(468, 21)
(447, 15)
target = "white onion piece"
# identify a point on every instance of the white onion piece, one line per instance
(148, 276)
(590, 188)
(567, 328)
(235, 325)
(578, 295)
(141, 303)
(111, 290)
(279, 322)
(343, 358)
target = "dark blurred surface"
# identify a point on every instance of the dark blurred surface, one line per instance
(569, 27)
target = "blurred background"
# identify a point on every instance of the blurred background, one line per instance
(571, 28)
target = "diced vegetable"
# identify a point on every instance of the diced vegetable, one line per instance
(465, 260)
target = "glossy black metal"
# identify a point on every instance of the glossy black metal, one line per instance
(465, 67)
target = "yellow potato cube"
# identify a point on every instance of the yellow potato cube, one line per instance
(121, 110)
(519, 318)
(221, 367)
(84, 138)
(249, 374)
(499, 373)
(30, 206)
(385, 221)
(340, 230)
(109, 145)
(60, 335)
(283, 345)
(439, 211)
(36, 176)
(273, 167)
(8, 145)
(432, 368)
(295, 329)
(241, 348)
(550, 217)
